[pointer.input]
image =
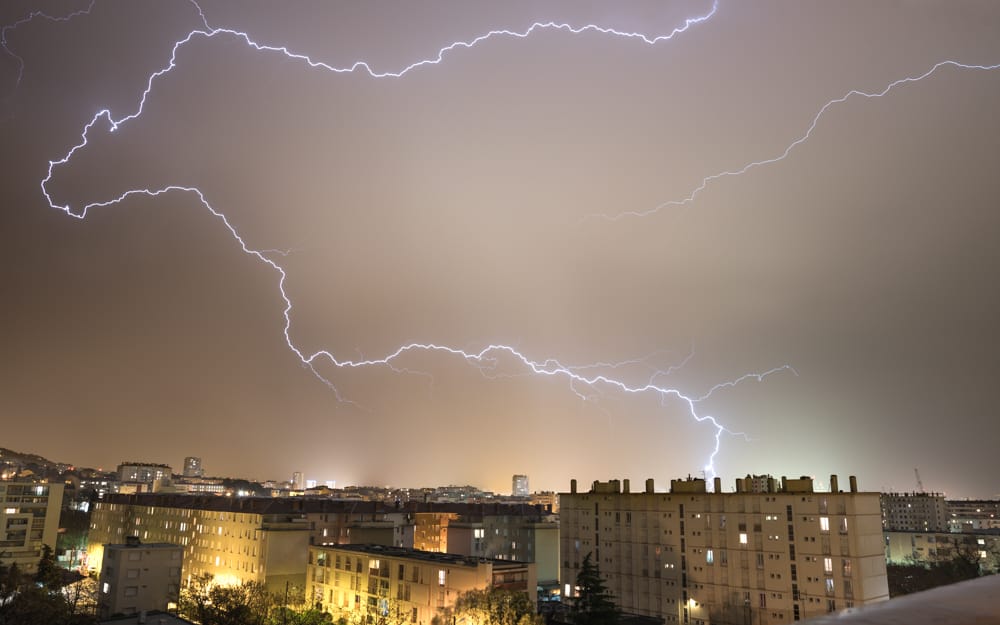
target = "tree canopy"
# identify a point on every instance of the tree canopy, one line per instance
(39, 599)
(249, 603)
(495, 606)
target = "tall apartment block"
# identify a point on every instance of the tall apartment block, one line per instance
(397, 585)
(773, 551)
(914, 512)
(192, 467)
(137, 577)
(519, 486)
(29, 518)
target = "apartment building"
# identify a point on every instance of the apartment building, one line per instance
(770, 552)
(935, 547)
(233, 539)
(914, 512)
(965, 515)
(523, 541)
(139, 577)
(29, 518)
(403, 585)
(236, 539)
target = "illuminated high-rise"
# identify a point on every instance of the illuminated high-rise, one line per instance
(519, 486)
(192, 467)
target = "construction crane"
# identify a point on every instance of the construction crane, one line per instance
(920, 485)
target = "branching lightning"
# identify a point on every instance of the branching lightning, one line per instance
(27, 18)
(487, 357)
(801, 139)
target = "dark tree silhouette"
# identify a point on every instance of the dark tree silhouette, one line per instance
(593, 604)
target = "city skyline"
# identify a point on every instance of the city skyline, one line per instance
(554, 247)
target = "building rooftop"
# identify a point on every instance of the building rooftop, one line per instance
(144, 464)
(299, 505)
(751, 484)
(426, 556)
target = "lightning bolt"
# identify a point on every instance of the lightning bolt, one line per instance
(707, 180)
(27, 18)
(485, 358)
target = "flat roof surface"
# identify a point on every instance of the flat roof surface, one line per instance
(973, 602)
(427, 556)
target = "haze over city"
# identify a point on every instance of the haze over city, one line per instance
(799, 199)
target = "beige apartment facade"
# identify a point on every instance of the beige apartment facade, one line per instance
(139, 577)
(403, 585)
(771, 552)
(29, 519)
(232, 543)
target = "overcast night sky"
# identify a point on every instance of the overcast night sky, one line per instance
(504, 196)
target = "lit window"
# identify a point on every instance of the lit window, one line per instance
(824, 524)
(743, 538)
(441, 576)
(828, 565)
(709, 556)
(569, 590)
(106, 588)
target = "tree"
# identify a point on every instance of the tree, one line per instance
(49, 575)
(39, 599)
(194, 602)
(246, 604)
(82, 596)
(249, 603)
(593, 604)
(382, 611)
(961, 560)
(493, 606)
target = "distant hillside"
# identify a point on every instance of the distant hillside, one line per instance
(9, 455)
